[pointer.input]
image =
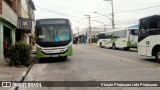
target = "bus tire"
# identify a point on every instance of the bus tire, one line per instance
(157, 56)
(114, 46)
(126, 48)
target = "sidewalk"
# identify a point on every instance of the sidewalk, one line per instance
(11, 73)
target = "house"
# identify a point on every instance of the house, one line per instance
(17, 22)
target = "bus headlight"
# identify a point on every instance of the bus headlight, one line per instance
(69, 46)
(38, 48)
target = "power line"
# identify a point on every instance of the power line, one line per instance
(55, 11)
(135, 20)
(83, 18)
(138, 9)
(131, 10)
(125, 23)
(59, 13)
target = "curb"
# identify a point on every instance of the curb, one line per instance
(23, 75)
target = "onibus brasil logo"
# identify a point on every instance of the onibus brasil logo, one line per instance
(18, 84)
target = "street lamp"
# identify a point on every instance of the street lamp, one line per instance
(78, 33)
(111, 2)
(103, 15)
(90, 41)
(100, 22)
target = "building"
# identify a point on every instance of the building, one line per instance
(26, 21)
(16, 22)
(85, 34)
(94, 31)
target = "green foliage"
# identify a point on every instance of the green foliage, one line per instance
(19, 54)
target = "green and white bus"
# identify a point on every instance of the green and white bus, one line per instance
(122, 38)
(149, 37)
(53, 38)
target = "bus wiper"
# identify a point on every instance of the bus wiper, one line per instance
(48, 31)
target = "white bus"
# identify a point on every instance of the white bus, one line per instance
(149, 36)
(122, 38)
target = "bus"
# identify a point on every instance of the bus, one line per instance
(149, 37)
(53, 38)
(121, 38)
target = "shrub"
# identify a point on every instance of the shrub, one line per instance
(19, 54)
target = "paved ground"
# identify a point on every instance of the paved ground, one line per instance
(11, 73)
(96, 64)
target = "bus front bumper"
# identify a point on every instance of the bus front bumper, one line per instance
(131, 45)
(39, 54)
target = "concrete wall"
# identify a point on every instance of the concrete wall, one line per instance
(9, 14)
(1, 41)
(9, 19)
(0, 7)
(27, 12)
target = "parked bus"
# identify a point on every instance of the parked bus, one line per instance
(53, 38)
(149, 36)
(122, 38)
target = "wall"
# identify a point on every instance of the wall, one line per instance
(0, 7)
(9, 19)
(1, 40)
(9, 14)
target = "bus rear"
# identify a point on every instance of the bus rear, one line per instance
(132, 37)
(53, 38)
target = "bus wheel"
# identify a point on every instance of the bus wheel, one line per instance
(158, 55)
(126, 48)
(114, 46)
(101, 45)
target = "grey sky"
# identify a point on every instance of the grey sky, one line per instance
(76, 9)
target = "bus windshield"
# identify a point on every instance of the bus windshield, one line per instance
(149, 26)
(53, 33)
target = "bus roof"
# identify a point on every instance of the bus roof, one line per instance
(117, 30)
(121, 29)
(133, 27)
(52, 19)
(101, 32)
(150, 17)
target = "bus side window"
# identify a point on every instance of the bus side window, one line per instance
(158, 24)
(142, 32)
(134, 31)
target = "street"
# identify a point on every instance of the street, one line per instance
(91, 63)
(62, 45)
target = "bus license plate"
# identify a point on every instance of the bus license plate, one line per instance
(56, 55)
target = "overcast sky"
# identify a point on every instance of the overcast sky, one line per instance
(76, 9)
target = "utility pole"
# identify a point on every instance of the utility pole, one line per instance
(112, 15)
(78, 35)
(113, 25)
(77, 28)
(90, 40)
(78, 32)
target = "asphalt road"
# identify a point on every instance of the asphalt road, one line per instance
(91, 63)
